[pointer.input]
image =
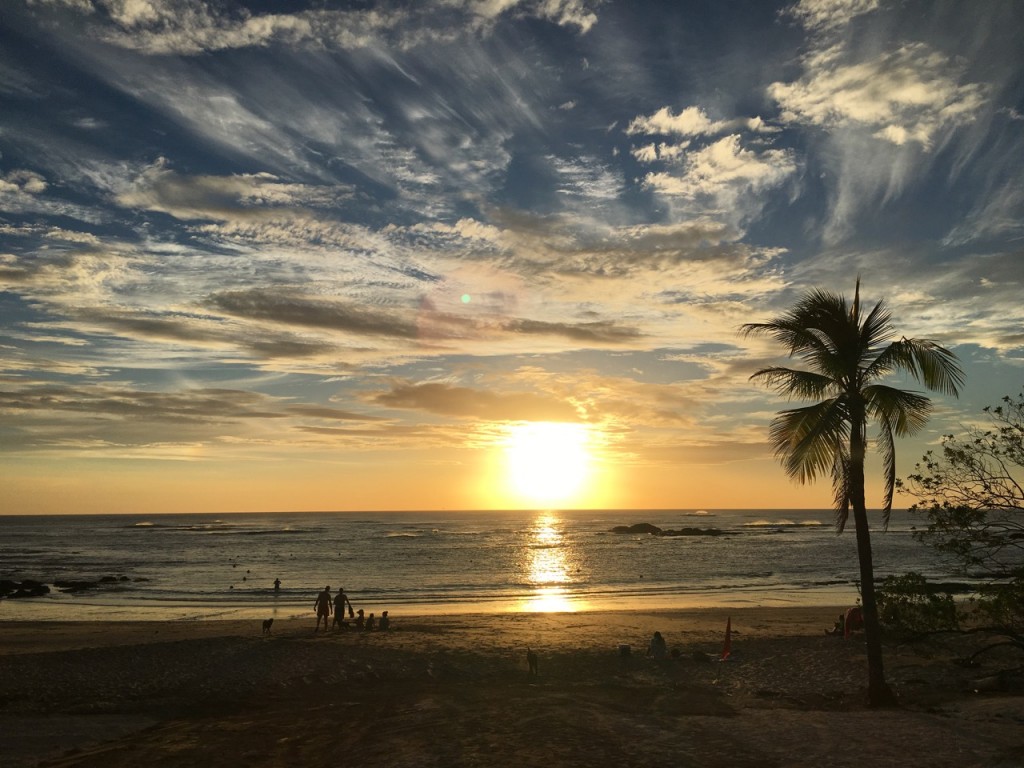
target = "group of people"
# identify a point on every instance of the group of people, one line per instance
(326, 605)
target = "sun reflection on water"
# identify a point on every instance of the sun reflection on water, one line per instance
(549, 563)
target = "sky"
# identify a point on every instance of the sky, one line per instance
(458, 254)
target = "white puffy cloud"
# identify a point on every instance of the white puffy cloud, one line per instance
(22, 182)
(724, 171)
(692, 121)
(909, 94)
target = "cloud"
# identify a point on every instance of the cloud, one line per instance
(586, 179)
(427, 323)
(21, 182)
(279, 307)
(829, 15)
(603, 331)
(726, 177)
(191, 27)
(111, 419)
(158, 188)
(999, 214)
(692, 121)
(705, 175)
(910, 94)
(464, 402)
(202, 405)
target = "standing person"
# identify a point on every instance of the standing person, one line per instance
(323, 608)
(385, 622)
(277, 585)
(339, 609)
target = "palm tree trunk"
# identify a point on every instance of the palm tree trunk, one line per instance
(879, 693)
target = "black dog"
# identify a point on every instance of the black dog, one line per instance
(267, 624)
(531, 659)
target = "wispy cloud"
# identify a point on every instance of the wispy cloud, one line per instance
(190, 27)
(829, 15)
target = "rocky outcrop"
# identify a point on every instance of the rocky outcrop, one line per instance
(653, 530)
(31, 588)
(19, 589)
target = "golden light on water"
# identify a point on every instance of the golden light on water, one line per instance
(548, 565)
(548, 463)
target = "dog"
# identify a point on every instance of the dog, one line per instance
(267, 624)
(531, 660)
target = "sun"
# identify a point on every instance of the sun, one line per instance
(547, 463)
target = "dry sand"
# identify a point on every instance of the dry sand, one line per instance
(454, 691)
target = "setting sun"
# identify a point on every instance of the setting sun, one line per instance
(547, 462)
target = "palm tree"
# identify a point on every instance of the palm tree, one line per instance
(847, 352)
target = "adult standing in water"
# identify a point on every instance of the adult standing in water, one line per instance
(323, 608)
(277, 585)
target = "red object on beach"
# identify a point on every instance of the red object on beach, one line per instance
(727, 648)
(853, 622)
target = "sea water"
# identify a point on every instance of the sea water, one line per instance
(209, 566)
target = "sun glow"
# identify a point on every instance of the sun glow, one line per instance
(548, 463)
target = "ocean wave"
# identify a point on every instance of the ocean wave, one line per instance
(222, 529)
(782, 523)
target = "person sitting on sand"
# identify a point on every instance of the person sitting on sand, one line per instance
(339, 609)
(385, 622)
(657, 649)
(360, 621)
(838, 628)
(323, 608)
(371, 624)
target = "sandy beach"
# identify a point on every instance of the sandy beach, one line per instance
(455, 691)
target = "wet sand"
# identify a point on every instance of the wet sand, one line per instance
(455, 691)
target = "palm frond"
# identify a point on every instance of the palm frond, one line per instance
(790, 333)
(877, 326)
(794, 383)
(933, 365)
(904, 412)
(805, 439)
(887, 445)
(841, 486)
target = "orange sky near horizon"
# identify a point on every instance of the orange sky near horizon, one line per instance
(472, 482)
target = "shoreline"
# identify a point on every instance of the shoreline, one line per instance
(454, 690)
(98, 608)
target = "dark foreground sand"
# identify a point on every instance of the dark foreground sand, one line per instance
(454, 691)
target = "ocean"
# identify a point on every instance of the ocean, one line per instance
(187, 567)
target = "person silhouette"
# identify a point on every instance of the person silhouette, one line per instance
(339, 609)
(323, 608)
(385, 622)
(657, 648)
(277, 585)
